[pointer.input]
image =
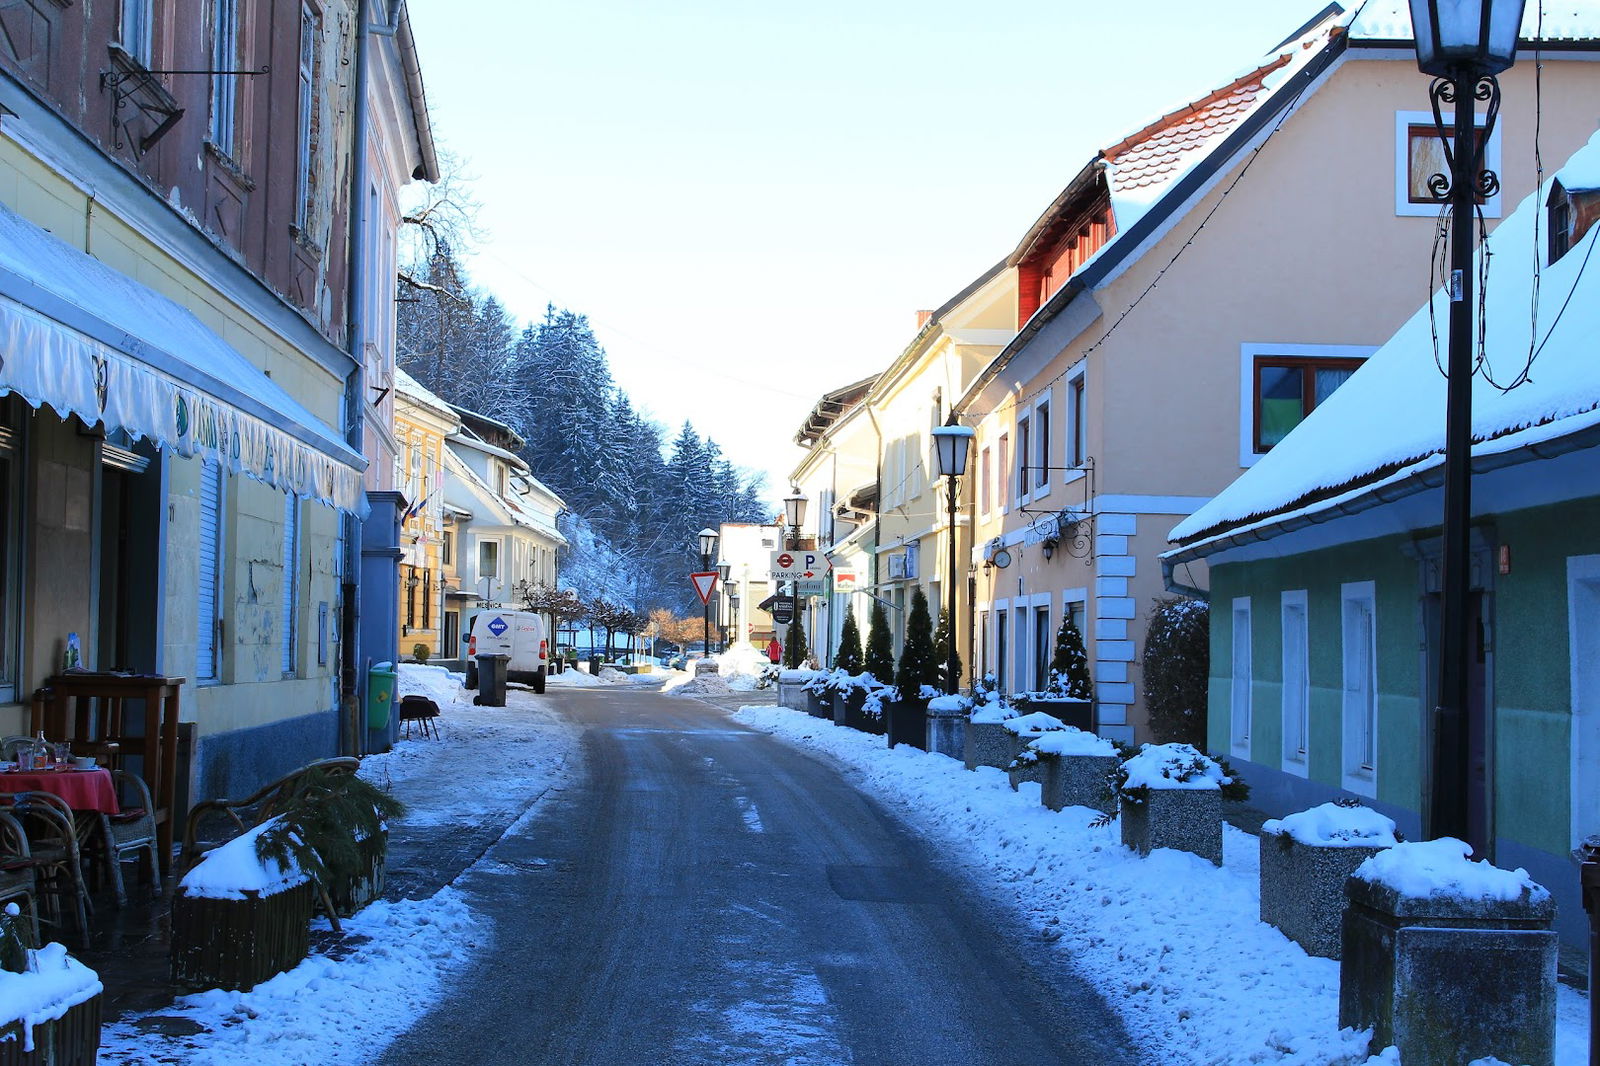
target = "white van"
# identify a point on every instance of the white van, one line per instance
(519, 634)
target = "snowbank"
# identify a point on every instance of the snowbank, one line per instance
(704, 685)
(742, 659)
(1420, 869)
(434, 682)
(572, 677)
(1333, 826)
(233, 869)
(54, 984)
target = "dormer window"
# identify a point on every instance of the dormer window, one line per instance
(1571, 213)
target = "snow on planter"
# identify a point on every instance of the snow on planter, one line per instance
(1075, 765)
(238, 920)
(947, 725)
(1306, 858)
(987, 743)
(1447, 959)
(1020, 732)
(43, 995)
(1170, 796)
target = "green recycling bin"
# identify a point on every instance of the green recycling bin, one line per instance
(380, 696)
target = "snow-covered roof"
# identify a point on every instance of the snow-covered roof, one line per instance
(413, 390)
(1387, 421)
(517, 510)
(1560, 20)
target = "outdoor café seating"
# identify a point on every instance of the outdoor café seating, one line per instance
(18, 882)
(53, 852)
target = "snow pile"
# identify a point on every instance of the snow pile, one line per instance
(704, 685)
(949, 705)
(1333, 826)
(434, 682)
(1033, 724)
(233, 869)
(992, 712)
(1172, 766)
(1071, 741)
(54, 983)
(332, 1012)
(611, 675)
(1421, 869)
(572, 677)
(797, 677)
(742, 658)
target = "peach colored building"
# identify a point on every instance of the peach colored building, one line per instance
(1189, 297)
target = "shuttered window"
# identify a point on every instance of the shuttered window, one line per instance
(291, 581)
(208, 608)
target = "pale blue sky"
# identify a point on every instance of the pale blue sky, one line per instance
(752, 200)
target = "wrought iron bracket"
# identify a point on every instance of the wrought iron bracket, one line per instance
(1066, 528)
(133, 86)
(1445, 91)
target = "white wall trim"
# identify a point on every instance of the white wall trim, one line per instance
(1295, 761)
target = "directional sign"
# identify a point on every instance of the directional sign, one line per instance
(703, 584)
(799, 565)
(498, 626)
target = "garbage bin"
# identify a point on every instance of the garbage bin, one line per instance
(492, 680)
(380, 695)
(594, 666)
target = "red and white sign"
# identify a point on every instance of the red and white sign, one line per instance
(783, 561)
(703, 584)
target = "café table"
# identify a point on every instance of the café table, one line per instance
(85, 791)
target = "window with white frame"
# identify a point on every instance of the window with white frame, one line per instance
(290, 599)
(1419, 155)
(136, 29)
(983, 643)
(985, 480)
(1077, 419)
(1043, 645)
(1296, 682)
(1280, 384)
(1239, 703)
(1041, 441)
(1022, 644)
(1003, 468)
(1024, 443)
(305, 142)
(224, 84)
(488, 559)
(1359, 644)
(1000, 647)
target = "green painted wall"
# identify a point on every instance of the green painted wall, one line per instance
(1530, 662)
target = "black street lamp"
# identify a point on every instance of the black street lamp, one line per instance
(723, 569)
(951, 444)
(708, 548)
(794, 512)
(1462, 44)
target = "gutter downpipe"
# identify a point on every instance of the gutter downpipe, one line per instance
(350, 688)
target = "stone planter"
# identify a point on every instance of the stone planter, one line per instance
(906, 722)
(1302, 889)
(1179, 818)
(350, 894)
(238, 943)
(1028, 771)
(1449, 981)
(1076, 713)
(947, 733)
(792, 694)
(70, 1040)
(988, 744)
(1078, 781)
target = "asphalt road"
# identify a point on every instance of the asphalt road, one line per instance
(706, 895)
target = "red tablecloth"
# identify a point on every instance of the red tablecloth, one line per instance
(84, 790)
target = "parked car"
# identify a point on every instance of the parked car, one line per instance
(519, 634)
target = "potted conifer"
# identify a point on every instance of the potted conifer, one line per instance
(907, 717)
(877, 671)
(830, 695)
(941, 653)
(1069, 693)
(794, 645)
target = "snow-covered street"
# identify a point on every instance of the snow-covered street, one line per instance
(600, 841)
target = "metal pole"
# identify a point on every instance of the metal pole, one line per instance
(1449, 808)
(950, 685)
(705, 639)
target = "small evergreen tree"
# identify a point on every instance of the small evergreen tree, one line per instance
(794, 645)
(848, 657)
(1177, 663)
(917, 664)
(1069, 667)
(941, 653)
(879, 660)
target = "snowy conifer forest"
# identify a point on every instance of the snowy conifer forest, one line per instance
(636, 502)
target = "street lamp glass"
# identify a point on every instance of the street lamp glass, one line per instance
(794, 508)
(1465, 37)
(951, 444)
(708, 542)
(722, 572)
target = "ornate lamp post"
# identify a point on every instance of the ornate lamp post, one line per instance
(723, 569)
(951, 444)
(794, 512)
(1462, 44)
(708, 548)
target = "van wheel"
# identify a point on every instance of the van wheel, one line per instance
(538, 681)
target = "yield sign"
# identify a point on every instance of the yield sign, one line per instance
(703, 584)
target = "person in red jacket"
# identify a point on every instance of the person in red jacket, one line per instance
(774, 651)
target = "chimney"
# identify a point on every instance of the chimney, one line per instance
(923, 318)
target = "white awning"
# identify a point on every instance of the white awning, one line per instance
(91, 342)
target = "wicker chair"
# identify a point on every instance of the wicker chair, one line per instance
(53, 850)
(131, 832)
(18, 882)
(9, 746)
